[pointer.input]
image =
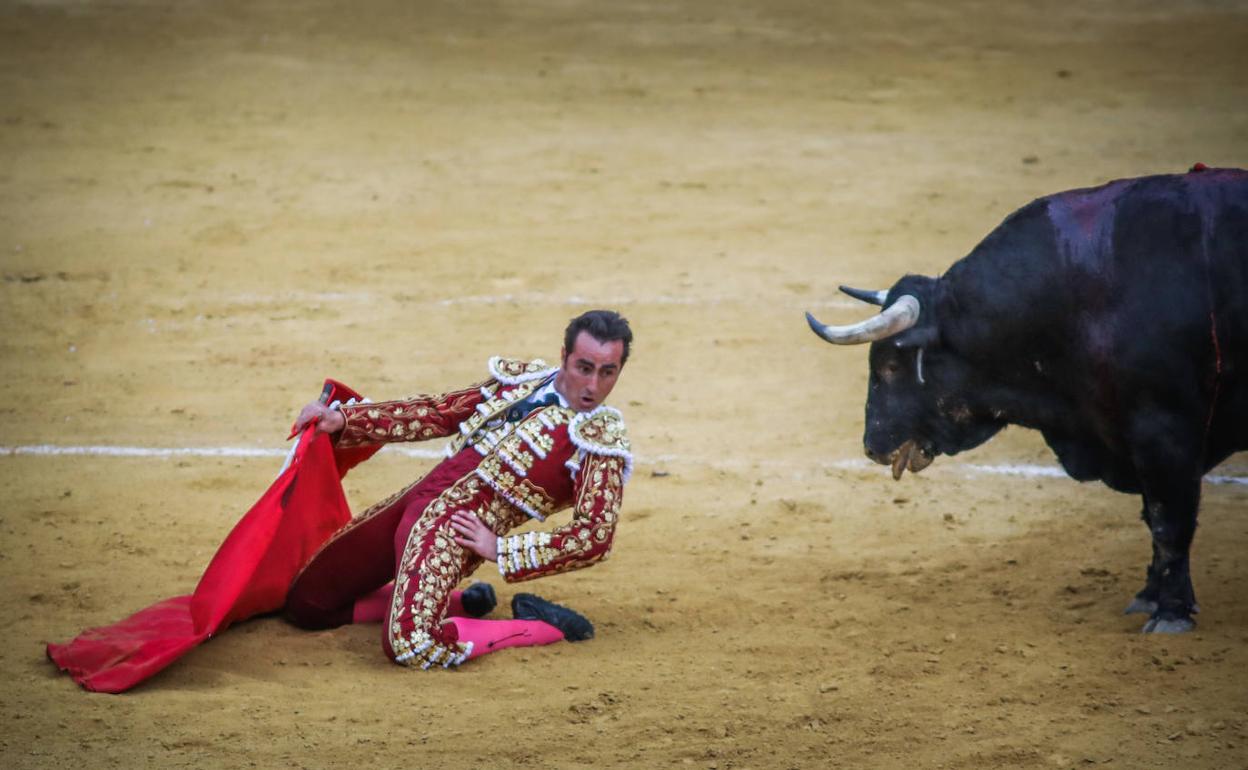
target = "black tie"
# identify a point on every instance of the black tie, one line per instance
(521, 409)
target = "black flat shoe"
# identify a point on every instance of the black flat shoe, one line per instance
(479, 599)
(575, 626)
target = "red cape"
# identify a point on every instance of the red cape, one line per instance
(249, 575)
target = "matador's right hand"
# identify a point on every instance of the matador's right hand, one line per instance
(327, 420)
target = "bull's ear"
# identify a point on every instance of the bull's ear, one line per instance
(920, 337)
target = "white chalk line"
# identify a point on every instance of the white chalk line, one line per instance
(533, 298)
(218, 451)
(1003, 469)
(539, 298)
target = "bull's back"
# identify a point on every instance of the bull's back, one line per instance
(1169, 252)
(1166, 224)
(1173, 252)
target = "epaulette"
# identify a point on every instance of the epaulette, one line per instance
(602, 432)
(513, 371)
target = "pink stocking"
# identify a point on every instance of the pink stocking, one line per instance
(491, 635)
(371, 608)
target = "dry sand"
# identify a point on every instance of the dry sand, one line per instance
(206, 208)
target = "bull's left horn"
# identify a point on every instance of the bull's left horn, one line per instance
(897, 317)
(866, 295)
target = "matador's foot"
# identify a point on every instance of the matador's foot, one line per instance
(575, 626)
(479, 599)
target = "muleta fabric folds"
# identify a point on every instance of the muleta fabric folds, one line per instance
(248, 576)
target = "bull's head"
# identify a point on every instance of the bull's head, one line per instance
(920, 394)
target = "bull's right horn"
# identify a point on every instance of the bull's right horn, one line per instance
(897, 317)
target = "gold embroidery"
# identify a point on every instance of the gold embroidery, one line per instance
(515, 452)
(601, 432)
(584, 541)
(537, 431)
(431, 566)
(413, 419)
(436, 578)
(511, 371)
(517, 490)
(487, 423)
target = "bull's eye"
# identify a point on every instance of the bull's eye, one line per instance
(889, 370)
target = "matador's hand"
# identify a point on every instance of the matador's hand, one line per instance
(474, 535)
(327, 420)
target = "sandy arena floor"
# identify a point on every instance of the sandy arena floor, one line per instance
(206, 208)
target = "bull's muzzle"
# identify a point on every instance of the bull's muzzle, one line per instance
(909, 455)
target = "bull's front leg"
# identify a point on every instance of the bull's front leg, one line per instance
(1166, 455)
(1173, 526)
(1146, 600)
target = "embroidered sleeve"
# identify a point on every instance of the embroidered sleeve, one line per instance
(583, 541)
(413, 419)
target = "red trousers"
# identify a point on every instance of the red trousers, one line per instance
(409, 538)
(363, 556)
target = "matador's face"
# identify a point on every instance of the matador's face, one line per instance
(589, 371)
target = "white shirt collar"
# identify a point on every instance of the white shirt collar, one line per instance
(547, 389)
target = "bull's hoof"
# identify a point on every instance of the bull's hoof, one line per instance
(1140, 605)
(1163, 626)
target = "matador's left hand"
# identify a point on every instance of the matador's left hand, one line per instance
(474, 535)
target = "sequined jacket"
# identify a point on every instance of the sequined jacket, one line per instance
(553, 458)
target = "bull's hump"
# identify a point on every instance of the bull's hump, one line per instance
(1083, 221)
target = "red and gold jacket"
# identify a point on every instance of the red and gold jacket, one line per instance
(553, 458)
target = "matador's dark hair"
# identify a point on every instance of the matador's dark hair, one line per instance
(602, 325)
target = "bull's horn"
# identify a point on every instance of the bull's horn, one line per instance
(898, 317)
(866, 295)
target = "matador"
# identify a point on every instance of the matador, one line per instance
(527, 442)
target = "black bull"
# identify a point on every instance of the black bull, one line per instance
(1114, 320)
